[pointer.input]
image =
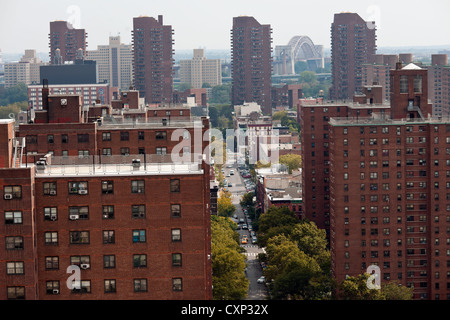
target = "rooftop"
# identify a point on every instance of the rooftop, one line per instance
(379, 120)
(137, 165)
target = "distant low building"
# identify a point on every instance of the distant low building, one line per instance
(276, 187)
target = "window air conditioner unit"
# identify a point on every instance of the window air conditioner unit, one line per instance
(8, 196)
(53, 192)
(105, 216)
(82, 191)
(136, 163)
(84, 266)
(73, 217)
(53, 218)
(55, 291)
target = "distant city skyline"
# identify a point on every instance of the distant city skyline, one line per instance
(207, 24)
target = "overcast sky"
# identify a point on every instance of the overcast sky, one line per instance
(24, 24)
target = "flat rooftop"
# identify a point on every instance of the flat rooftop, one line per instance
(118, 170)
(376, 120)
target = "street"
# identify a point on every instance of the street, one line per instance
(257, 291)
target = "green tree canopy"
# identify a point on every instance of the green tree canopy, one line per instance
(292, 161)
(228, 263)
(225, 207)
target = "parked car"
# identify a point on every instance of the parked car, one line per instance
(230, 185)
(244, 227)
(261, 280)
(254, 240)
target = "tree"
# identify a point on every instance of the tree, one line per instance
(295, 274)
(228, 264)
(395, 291)
(355, 288)
(312, 241)
(221, 94)
(276, 221)
(308, 77)
(18, 93)
(292, 161)
(225, 207)
(247, 199)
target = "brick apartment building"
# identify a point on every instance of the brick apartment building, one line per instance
(104, 196)
(65, 41)
(390, 192)
(353, 42)
(153, 59)
(251, 46)
(315, 141)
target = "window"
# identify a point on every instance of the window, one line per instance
(50, 138)
(84, 287)
(176, 235)
(108, 212)
(51, 263)
(49, 188)
(140, 285)
(106, 136)
(15, 267)
(79, 260)
(64, 138)
(161, 150)
(124, 136)
(79, 237)
(12, 192)
(83, 153)
(14, 243)
(175, 185)
(110, 286)
(176, 259)
(175, 210)
(50, 213)
(106, 151)
(13, 217)
(161, 135)
(418, 83)
(52, 287)
(78, 187)
(81, 213)
(51, 238)
(138, 211)
(403, 84)
(109, 261)
(107, 187)
(137, 186)
(139, 260)
(177, 284)
(141, 135)
(15, 293)
(108, 237)
(139, 236)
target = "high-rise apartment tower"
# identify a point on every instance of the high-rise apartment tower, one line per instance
(251, 62)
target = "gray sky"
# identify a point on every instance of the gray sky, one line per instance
(24, 24)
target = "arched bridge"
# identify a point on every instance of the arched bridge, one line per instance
(298, 48)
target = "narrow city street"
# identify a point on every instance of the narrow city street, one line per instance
(257, 291)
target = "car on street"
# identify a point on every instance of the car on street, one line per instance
(261, 279)
(244, 227)
(241, 220)
(230, 184)
(254, 240)
(244, 241)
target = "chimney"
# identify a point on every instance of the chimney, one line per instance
(45, 92)
(398, 65)
(160, 19)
